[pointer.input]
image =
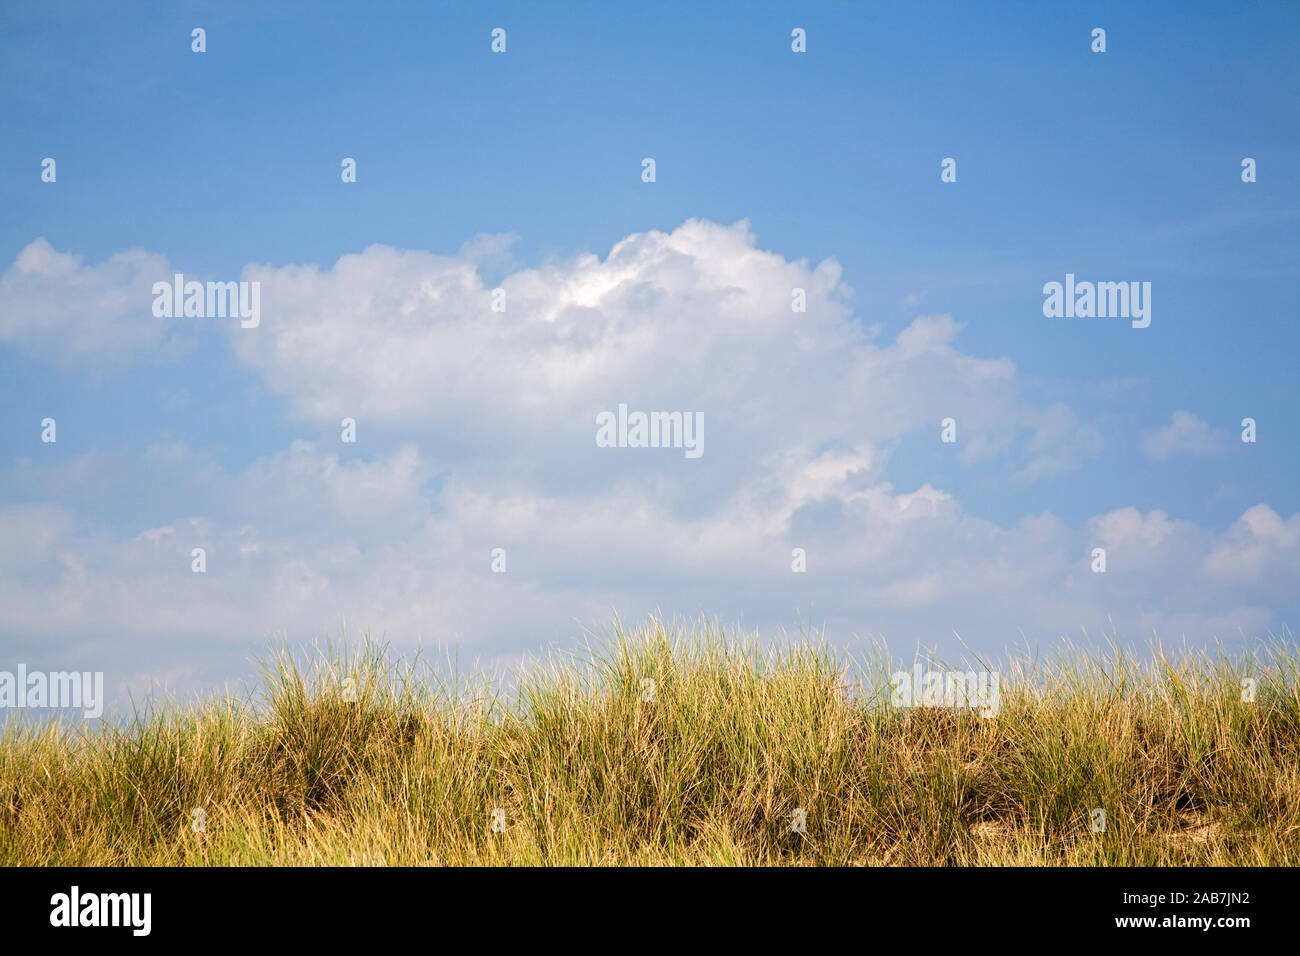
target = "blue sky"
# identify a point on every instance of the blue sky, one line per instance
(1117, 166)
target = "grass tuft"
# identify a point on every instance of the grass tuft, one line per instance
(355, 758)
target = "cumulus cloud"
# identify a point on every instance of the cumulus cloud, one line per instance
(1185, 434)
(304, 542)
(1260, 543)
(697, 319)
(476, 431)
(54, 305)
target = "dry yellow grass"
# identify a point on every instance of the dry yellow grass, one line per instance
(708, 772)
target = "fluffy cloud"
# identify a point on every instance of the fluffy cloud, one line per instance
(55, 306)
(698, 319)
(304, 542)
(1260, 544)
(1185, 435)
(476, 431)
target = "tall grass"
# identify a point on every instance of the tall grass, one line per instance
(392, 767)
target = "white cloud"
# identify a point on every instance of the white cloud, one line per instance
(55, 306)
(1260, 543)
(306, 541)
(1185, 434)
(697, 319)
(1059, 445)
(477, 431)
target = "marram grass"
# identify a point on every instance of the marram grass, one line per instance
(709, 772)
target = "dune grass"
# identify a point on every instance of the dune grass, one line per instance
(354, 758)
